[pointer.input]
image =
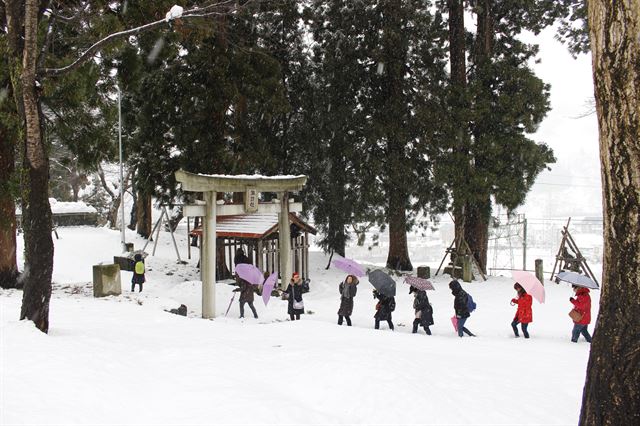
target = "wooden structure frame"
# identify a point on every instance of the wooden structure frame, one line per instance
(562, 256)
(260, 243)
(251, 186)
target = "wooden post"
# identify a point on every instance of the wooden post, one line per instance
(188, 238)
(259, 257)
(284, 234)
(208, 262)
(306, 255)
(539, 271)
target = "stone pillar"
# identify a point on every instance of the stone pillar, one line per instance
(467, 273)
(208, 260)
(539, 271)
(284, 236)
(106, 280)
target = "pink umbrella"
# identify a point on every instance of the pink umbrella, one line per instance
(267, 287)
(530, 283)
(454, 321)
(249, 273)
(349, 266)
(419, 283)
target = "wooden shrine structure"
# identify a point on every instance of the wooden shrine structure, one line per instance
(251, 186)
(258, 236)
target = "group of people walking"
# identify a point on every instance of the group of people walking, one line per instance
(463, 306)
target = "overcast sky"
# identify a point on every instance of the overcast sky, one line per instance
(572, 187)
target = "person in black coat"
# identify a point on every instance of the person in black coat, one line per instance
(423, 310)
(246, 290)
(385, 306)
(348, 291)
(294, 292)
(241, 257)
(460, 305)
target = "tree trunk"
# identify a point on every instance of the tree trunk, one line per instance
(35, 201)
(398, 257)
(476, 230)
(611, 393)
(144, 222)
(457, 54)
(8, 265)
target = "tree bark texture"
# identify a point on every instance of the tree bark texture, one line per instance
(476, 230)
(36, 210)
(8, 264)
(611, 393)
(398, 257)
(144, 222)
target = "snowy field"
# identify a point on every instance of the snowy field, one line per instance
(123, 360)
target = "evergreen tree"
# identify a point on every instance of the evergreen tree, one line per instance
(501, 103)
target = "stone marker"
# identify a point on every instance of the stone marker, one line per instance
(106, 280)
(467, 273)
(539, 271)
(424, 272)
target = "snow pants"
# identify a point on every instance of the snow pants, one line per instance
(253, 309)
(416, 324)
(377, 325)
(347, 317)
(514, 325)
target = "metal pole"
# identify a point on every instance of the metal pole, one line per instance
(524, 247)
(122, 236)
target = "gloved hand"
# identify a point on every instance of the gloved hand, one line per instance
(514, 301)
(571, 299)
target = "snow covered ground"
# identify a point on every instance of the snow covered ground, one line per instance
(123, 360)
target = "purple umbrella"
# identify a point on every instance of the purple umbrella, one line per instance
(419, 283)
(349, 266)
(267, 287)
(249, 273)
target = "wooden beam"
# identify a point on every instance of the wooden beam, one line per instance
(199, 210)
(221, 183)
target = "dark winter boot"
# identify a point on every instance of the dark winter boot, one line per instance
(428, 331)
(415, 325)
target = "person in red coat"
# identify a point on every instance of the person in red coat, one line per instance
(582, 304)
(524, 314)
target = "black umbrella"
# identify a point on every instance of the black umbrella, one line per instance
(383, 283)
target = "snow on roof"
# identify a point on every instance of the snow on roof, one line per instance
(66, 207)
(252, 225)
(253, 176)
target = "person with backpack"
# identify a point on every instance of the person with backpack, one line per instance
(423, 310)
(385, 306)
(138, 272)
(524, 314)
(581, 314)
(295, 305)
(463, 305)
(348, 291)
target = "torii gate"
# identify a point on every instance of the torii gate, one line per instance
(209, 185)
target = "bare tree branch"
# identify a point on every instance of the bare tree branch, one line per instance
(223, 8)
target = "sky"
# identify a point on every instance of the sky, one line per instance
(572, 187)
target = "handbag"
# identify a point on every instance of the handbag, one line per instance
(576, 315)
(296, 304)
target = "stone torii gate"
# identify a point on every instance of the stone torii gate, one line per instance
(251, 186)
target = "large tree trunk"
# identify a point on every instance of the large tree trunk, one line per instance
(398, 257)
(144, 222)
(35, 200)
(611, 393)
(476, 230)
(457, 55)
(8, 265)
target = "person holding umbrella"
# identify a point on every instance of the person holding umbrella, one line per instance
(295, 305)
(246, 290)
(581, 313)
(385, 306)
(423, 310)
(460, 305)
(348, 291)
(524, 314)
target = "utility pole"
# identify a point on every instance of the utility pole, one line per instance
(122, 236)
